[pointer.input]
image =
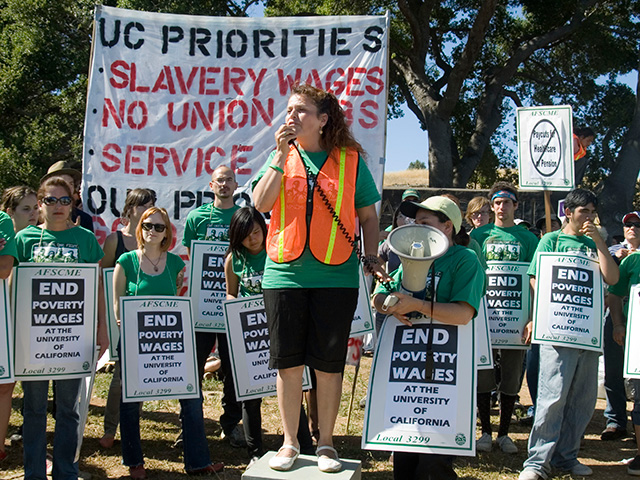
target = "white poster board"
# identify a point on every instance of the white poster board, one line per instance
(112, 325)
(208, 287)
(631, 351)
(6, 336)
(484, 360)
(407, 413)
(508, 303)
(55, 320)
(158, 349)
(248, 338)
(545, 148)
(568, 309)
(363, 319)
(172, 97)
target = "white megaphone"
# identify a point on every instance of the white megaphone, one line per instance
(417, 246)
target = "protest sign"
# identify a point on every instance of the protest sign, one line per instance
(112, 325)
(508, 303)
(6, 336)
(55, 328)
(484, 359)
(407, 412)
(248, 336)
(208, 287)
(545, 147)
(363, 317)
(631, 354)
(158, 353)
(568, 307)
(171, 97)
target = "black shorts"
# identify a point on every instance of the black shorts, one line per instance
(310, 326)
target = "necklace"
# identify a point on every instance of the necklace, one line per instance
(155, 265)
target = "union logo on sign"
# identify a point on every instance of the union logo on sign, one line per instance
(545, 148)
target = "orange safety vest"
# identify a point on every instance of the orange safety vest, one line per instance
(581, 151)
(289, 230)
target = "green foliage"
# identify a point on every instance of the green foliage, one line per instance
(417, 165)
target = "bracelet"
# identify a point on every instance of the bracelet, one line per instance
(371, 259)
(276, 168)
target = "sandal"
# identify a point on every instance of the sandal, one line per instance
(282, 464)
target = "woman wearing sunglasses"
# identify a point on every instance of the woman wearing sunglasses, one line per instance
(152, 270)
(55, 240)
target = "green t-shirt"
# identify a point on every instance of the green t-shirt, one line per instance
(74, 245)
(208, 223)
(249, 269)
(6, 231)
(561, 242)
(306, 271)
(141, 283)
(459, 278)
(510, 244)
(629, 276)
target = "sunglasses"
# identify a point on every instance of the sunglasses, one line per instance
(158, 227)
(49, 201)
(632, 224)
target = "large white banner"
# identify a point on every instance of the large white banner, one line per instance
(408, 412)
(171, 97)
(6, 336)
(508, 303)
(568, 308)
(55, 320)
(158, 349)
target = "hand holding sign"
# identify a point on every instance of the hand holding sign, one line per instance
(405, 305)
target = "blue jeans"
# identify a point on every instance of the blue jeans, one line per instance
(567, 391)
(34, 430)
(616, 409)
(533, 367)
(196, 449)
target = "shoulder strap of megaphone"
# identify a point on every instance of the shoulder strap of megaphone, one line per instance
(354, 242)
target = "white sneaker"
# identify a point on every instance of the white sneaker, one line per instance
(484, 443)
(506, 444)
(528, 475)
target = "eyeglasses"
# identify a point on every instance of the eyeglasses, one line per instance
(480, 213)
(49, 201)
(158, 227)
(632, 224)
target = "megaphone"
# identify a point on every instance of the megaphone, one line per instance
(417, 246)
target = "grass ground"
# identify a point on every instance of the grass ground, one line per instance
(160, 427)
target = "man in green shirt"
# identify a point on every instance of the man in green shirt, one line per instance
(503, 241)
(211, 222)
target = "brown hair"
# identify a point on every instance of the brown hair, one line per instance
(137, 197)
(475, 204)
(53, 182)
(168, 238)
(12, 196)
(336, 132)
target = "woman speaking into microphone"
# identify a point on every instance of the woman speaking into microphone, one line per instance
(310, 279)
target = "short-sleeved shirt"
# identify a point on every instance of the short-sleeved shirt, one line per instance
(141, 283)
(249, 270)
(306, 271)
(505, 244)
(459, 278)
(7, 232)
(208, 222)
(73, 245)
(561, 242)
(629, 276)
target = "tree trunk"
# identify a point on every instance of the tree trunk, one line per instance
(440, 154)
(616, 198)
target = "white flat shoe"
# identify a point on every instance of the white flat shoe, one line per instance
(328, 464)
(282, 464)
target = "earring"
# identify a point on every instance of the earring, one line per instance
(320, 130)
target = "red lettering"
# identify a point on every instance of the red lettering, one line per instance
(185, 117)
(204, 81)
(373, 78)
(286, 83)
(336, 87)
(206, 161)
(181, 167)
(352, 80)
(100, 231)
(236, 159)
(132, 85)
(347, 106)
(117, 72)
(369, 114)
(109, 108)
(258, 108)
(131, 159)
(314, 78)
(164, 81)
(258, 80)
(236, 80)
(230, 112)
(158, 160)
(197, 112)
(144, 115)
(106, 153)
(185, 87)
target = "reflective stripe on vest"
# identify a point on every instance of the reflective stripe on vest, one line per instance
(288, 230)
